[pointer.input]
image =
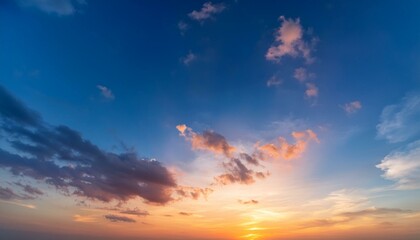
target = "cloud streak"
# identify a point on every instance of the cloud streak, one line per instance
(207, 11)
(118, 218)
(58, 7)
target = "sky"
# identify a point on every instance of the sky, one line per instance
(226, 119)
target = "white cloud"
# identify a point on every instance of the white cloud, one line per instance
(403, 166)
(207, 11)
(106, 92)
(273, 81)
(352, 107)
(400, 122)
(59, 7)
(189, 58)
(289, 41)
(311, 90)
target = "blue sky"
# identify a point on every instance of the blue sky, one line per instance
(125, 75)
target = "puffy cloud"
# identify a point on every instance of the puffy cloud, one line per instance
(352, 107)
(236, 172)
(311, 90)
(207, 11)
(399, 122)
(61, 157)
(403, 166)
(59, 7)
(285, 150)
(208, 140)
(289, 41)
(106, 92)
(117, 218)
(187, 60)
(273, 81)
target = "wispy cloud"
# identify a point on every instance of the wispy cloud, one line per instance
(301, 74)
(189, 58)
(273, 81)
(252, 201)
(183, 27)
(289, 42)
(400, 122)
(403, 166)
(352, 107)
(58, 7)
(118, 218)
(106, 92)
(311, 90)
(207, 11)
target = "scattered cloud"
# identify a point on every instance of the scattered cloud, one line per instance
(207, 11)
(399, 122)
(106, 92)
(274, 81)
(289, 42)
(61, 157)
(8, 194)
(187, 60)
(58, 7)
(30, 189)
(183, 27)
(285, 150)
(237, 172)
(135, 212)
(311, 90)
(193, 192)
(403, 166)
(352, 107)
(301, 74)
(84, 219)
(208, 140)
(185, 214)
(117, 218)
(252, 201)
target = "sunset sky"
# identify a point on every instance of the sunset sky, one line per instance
(227, 119)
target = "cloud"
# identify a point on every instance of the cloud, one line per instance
(374, 212)
(8, 194)
(185, 213)
(403, 166)
(193, 192)
(399, 122)
(135, 212)
(61, 157)
(311, 90)
(285, 150)
(58, 7)
(273, 81)
(29, 189)
(183, 27)
(352, 107)
(187, 60)
(289, 42)
(208, 140)
(207, 11)
(117, 218)
(301, 74)
(252, 201)
(236, 172)
(106, 92)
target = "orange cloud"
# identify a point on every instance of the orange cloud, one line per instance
(285, 150)
(208, 140)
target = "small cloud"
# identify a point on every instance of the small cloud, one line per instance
(117, 218)
(301, 74)
(185, 214)
(183, 27)
(352, 107)
(403, 166)
(106, 92)
(311, 90)
(84, 219)
(207, 11)
(58, 7)
(135, 212)
(400, 122)
(274, 81)
(289, 42)
(189, 58)
(252, 201)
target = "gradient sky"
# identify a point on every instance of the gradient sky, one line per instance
(209, 120)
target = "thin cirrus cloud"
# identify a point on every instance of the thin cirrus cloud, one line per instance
(400, 122)
(289, 42)
(403, 166)
(352, 107)
(58, 7)
(207, 11)
(106, 92)
(285, 150)
(274, 81)
(61, 157)
(189, 58)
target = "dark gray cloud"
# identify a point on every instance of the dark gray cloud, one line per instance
(8, 194)
(117, 218)
(30, 189)
(61, 157)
